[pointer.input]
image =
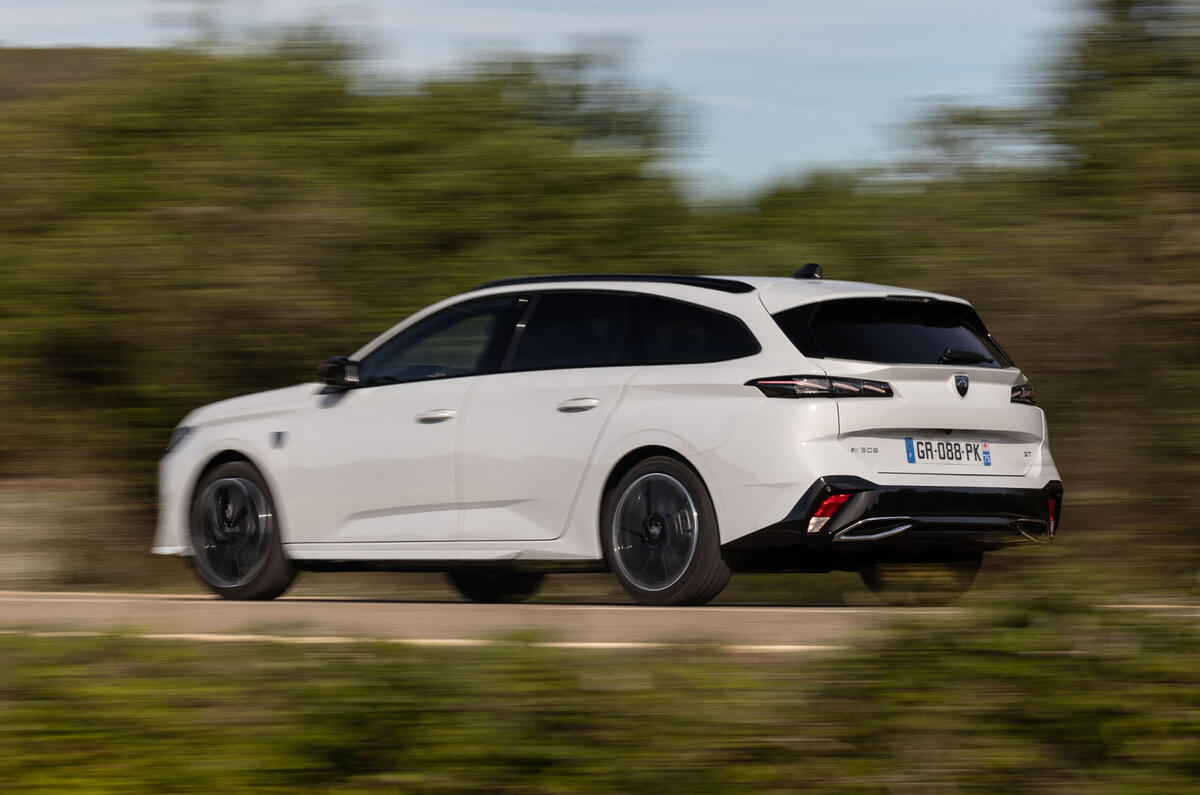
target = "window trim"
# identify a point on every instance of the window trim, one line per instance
(528, 304)
(502, 349)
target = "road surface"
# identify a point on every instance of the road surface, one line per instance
(338, 620)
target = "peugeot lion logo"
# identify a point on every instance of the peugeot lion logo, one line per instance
(962, 384)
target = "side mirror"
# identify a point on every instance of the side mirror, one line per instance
(340, 371)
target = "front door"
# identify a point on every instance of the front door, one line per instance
(377, 463)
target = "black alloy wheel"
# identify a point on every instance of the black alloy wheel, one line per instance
(660, 535)
(235, 535)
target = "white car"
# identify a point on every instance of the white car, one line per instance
(670, 429)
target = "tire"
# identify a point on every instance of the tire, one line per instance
(495, 584)
(659, 532)
(235, 535)
(922, 583)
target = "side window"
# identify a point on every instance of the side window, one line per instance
(674, 332)
(577, 329)
(453, 342)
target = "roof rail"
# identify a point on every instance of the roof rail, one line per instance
(707, 282)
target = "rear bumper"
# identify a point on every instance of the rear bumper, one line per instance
(881, 523)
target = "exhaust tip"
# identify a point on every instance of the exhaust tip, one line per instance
(874, 529)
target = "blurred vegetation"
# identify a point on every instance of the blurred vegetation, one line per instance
(1042, 696)
(185, 224)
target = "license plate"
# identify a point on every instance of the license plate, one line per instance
(977, 453)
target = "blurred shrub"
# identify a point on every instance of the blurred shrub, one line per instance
(184, 225)
(1043, 696)
(208, 225)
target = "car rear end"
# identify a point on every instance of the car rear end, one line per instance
(939, 448)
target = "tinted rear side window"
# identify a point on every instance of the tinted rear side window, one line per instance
(674, 332)
(577, 329)
(892, 331)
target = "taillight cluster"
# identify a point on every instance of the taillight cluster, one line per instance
(1023, 393)
(825, 511)
(818, 386)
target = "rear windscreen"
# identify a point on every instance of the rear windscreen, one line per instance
(892, 331)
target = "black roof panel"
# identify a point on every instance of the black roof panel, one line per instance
(707, 282)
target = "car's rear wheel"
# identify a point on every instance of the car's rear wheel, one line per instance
(235, 535)
(660, 535)
(923, 582)
(495, 584)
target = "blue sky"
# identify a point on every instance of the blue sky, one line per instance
(769, 88)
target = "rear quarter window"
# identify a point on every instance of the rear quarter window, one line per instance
(675, 332)
(892, 331)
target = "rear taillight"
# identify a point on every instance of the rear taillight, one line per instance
(1023, 393)
(820, 386)
(825, 511)
(1053, 510)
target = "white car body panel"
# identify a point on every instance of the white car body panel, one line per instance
(520, 486)
(510, 477)
(378, 464)
(925, 398)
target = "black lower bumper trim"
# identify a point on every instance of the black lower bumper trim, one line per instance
(899, 522)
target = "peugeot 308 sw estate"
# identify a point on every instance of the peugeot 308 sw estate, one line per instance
(669, 429)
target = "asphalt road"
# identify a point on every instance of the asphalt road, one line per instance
(340, 620)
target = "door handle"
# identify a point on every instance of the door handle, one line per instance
(436, 415)
(576, 405)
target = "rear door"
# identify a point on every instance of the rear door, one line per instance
(951, 412)
(529, 432)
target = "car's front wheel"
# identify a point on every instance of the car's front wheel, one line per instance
(660, 535)
(924, 582)
(235, 535)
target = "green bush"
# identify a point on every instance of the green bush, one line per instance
(1043, 696)
(182, 225)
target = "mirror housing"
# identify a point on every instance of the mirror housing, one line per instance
(339, 371)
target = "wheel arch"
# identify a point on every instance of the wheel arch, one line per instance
(638, 455)
(632, 459)
(226, 456)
